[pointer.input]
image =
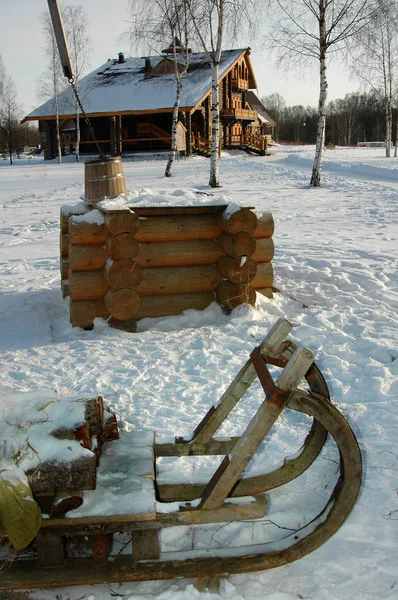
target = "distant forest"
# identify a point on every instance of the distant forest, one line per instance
(358, 117)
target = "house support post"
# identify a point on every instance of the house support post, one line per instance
(119, 147)
(188, 124)
(112, 135)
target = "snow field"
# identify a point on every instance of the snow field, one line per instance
(336, 267)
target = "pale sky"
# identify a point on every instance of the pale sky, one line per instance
(21, 46)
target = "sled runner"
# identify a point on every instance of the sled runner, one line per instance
(229, 496)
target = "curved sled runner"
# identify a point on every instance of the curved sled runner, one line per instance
(219, 500)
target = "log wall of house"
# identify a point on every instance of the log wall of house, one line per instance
(156, 261)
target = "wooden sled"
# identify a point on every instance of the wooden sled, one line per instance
(219, 500)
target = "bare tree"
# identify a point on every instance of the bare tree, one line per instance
(2, 77)
(307, 30)
(51, 81)
(274, 103)
(9, 115)
(79, 46)
(375, 56)
(158, 22)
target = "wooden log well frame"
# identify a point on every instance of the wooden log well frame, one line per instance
(159, 261)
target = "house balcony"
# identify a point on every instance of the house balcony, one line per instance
(237, 114)
(240, 84)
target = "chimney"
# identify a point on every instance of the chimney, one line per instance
(148, 65)
(121, 57)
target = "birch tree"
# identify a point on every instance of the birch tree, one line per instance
(158, 22)
(374, 62)
(2, 77)
(214, 22)
(9, 115)
(51, 81)
(79, 46)
(304, 31)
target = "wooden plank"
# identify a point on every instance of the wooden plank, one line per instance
(187, 515)
(145, 544)
(243, 380)
(54, 477)
(145, 211)
(100, 547)
(50, 549)
(212, 448)
(60, 36)
(234, 464)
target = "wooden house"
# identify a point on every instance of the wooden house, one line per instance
(129, 102)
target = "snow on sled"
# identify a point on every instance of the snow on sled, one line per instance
(149, 517)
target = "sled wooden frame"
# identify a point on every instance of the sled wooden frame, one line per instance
(145, 563)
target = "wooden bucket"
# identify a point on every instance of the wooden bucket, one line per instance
(103, 179)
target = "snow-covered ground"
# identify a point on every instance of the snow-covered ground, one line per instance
(336, 266)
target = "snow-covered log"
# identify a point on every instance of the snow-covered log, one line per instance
(240, 219)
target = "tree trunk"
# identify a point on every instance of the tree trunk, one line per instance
(396, 138)
(215, 129)
(388, 127)
(320, 139)
(176, 106)
(77, 148)
(57, 130)
(215, 106)
(10, 142)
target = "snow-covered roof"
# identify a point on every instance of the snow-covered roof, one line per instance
(256, 104)
(123, 87)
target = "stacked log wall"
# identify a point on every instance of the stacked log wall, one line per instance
(128, 265)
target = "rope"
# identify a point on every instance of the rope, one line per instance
(87, 120)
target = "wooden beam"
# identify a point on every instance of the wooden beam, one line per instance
(243, 380)
(236, 462)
